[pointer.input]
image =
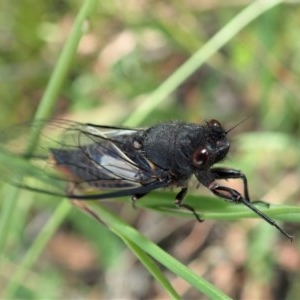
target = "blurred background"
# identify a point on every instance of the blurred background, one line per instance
(127, 52)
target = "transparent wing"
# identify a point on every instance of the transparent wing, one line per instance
(73, 159)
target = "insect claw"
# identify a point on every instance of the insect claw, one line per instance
(179, 204)
(260, 202)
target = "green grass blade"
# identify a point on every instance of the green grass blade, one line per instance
(62, 66)
(245, 17)
(36, 248)
(119, 226)
(46, 107)
(150, 266)
(214, 208)
(44, 111)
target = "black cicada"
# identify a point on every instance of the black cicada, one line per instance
(130, 162)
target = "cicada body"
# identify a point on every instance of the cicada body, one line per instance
(72, 159)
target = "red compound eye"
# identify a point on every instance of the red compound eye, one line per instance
(200, 157)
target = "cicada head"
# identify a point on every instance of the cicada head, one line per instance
(214, 146)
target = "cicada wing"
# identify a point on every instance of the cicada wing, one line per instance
(83, 156)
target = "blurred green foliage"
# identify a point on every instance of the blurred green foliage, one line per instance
(130, 48)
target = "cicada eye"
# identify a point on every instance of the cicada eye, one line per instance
(214, 122)
(200, 157)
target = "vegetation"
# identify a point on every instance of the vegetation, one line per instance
(139, 64)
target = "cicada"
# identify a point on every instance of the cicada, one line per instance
(73, 158)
